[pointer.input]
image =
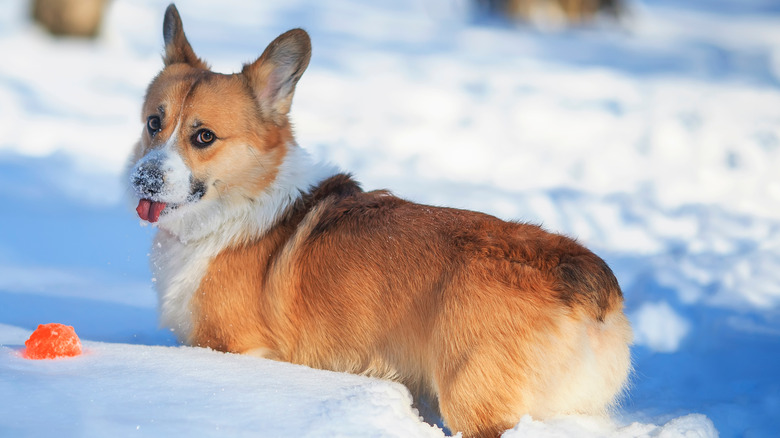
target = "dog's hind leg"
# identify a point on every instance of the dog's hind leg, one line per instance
(477, 399)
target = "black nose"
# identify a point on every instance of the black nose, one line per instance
(148, 179)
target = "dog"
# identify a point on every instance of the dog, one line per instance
(262, 251)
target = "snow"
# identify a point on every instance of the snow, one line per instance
(687, 426)
(656, 142)
(124, 390)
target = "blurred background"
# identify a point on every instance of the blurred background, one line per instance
(647, 129)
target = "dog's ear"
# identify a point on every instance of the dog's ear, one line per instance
(274, 75)
(177, 48)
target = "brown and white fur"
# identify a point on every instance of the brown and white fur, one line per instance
(262, 251)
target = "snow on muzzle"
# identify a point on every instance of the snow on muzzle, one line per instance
(160, 179)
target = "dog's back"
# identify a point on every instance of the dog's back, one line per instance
(496, 319)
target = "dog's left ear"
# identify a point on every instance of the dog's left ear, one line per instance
(274, 75)
(177, 48)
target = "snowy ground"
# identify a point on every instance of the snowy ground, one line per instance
(656, 143)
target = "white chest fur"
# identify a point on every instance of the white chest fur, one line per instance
(178, 269)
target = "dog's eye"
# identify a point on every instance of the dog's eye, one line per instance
(153, 125)
(203, 138)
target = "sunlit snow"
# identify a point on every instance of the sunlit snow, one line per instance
(656, 142)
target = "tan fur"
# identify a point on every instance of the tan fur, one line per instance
(491, 320)
(81, 18)
(570, 11)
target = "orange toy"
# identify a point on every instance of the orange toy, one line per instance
(50, 341)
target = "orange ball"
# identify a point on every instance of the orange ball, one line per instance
(50, 341)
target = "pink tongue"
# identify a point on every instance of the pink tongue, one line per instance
(149, 210)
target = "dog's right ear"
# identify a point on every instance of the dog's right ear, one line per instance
(177, 48)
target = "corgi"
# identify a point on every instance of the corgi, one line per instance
(260, 250)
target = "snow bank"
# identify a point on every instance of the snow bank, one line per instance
(123, 390)
(688, 426)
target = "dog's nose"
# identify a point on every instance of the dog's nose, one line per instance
(148, 179)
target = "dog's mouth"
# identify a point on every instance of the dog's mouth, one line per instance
(149, 210)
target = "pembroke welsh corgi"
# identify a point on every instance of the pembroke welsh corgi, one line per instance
(260, 250)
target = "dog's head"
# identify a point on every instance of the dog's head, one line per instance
(214, 142)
